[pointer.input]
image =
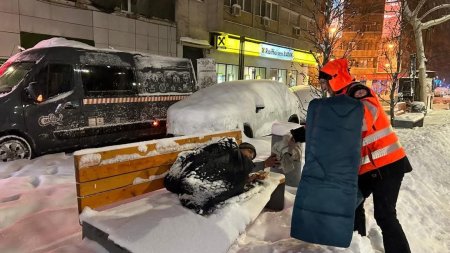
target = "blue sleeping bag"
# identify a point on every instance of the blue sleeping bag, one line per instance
(326, 197)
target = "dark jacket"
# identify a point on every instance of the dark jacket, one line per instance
(208, 175)
(326, 197)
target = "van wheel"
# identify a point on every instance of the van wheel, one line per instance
(248, 131)
(13, 147)
(294, 119)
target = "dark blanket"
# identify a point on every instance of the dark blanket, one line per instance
(206, 176)
(325, 203)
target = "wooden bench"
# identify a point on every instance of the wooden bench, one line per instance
(111, 181)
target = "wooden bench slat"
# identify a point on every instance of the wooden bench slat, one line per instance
(113, 169)
(105, 184)
(112, 196)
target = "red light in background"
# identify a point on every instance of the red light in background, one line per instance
(155, 123)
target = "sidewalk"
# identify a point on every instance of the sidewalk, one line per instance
(437, 117)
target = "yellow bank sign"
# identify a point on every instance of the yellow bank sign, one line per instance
(231, 44)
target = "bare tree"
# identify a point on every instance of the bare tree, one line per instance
(393, 47)
(421, 20)
(329, 19)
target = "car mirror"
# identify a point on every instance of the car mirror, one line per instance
(259, 108)
(30, 90)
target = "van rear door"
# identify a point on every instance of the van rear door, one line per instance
(53, 120)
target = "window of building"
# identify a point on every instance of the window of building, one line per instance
(99, 81)
(54, 79)
(246, 5)
(282, 76)
(251, 73)
(230, 72)
(293, 78)
(279, 75)
(271, 11)
(266, 8)
(221, 70)
(273, 74)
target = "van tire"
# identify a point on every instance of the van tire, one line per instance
(294, 119)
(13, 147)
(248, 131)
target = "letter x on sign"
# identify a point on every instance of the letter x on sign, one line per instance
(221, 41)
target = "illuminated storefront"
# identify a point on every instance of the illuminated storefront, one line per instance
(261, 60)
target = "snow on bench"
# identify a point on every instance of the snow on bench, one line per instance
(409, 120)
(125, 207)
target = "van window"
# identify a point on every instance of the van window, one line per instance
(100, 81)
(12, 74)
(54, 79)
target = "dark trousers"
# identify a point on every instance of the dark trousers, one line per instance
(384, 185)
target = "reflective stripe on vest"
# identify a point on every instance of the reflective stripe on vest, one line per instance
(377, 135)
(381, 152)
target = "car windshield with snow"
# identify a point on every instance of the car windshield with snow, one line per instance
(250, 105)
(64, 95)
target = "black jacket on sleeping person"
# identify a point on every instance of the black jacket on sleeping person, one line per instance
(208, 175)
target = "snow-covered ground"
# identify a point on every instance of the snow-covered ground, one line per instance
(38, 209)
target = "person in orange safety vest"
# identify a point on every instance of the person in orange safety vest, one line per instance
(383, 160)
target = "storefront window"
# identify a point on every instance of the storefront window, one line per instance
(260, 73)
(221, 72)
(282, 76)
(232, 72)
(293, 78)
(273, 74)
(251, 73)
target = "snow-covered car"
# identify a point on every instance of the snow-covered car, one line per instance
(250, 105)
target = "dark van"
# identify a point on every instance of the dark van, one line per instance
(62, 95)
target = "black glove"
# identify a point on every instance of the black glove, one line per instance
(299, 134)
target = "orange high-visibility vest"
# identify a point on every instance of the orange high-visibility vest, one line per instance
(380, 144)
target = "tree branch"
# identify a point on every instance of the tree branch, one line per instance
(434, 22)
(418, 7)
(407, 12)
(434, 9)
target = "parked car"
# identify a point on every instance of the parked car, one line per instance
(63, 95)
(441, 91)
(250, 105)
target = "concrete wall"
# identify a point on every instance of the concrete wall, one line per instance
(106, 30)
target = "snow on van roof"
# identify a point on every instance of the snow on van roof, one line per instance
(62, 42)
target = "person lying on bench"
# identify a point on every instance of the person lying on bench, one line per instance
(209, 175)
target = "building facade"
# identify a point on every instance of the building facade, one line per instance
(263, 37)
(23, 23)
(365, 49)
